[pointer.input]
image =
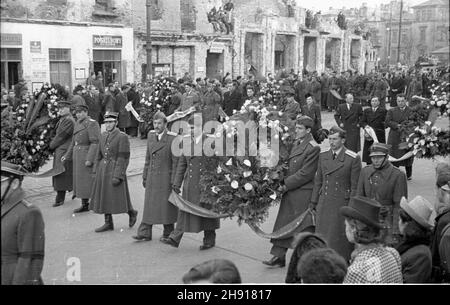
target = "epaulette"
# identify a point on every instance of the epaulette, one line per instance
(27, 204)
(186, 136)
(92, 120)
(152, 131)
(313, 143)
(171, 133)
(351, 153)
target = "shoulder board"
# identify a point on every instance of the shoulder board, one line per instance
(27, 204)
(186, 136)
(313, 143)
(92, 120)
(171, 133)
(351, 153)
(152, 131)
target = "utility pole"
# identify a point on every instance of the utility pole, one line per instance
(390, 37)
(149, 70)
(400, 31)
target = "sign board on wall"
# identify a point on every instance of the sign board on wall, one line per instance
(80, 73)
(161, 70)
(35, 46)
(107, 41)
(39, 68)
(11, 39)
(216, 47)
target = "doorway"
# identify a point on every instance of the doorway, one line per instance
(214, 65)
(11, 66)
(310, 54)
(108, 62)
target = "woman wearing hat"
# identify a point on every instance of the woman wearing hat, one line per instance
(23, 237)
(371, 262)
(415, 224)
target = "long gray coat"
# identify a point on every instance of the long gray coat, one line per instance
(335, 182)
(60, 144)
(303, 162)
(395, 116)
(112, 158)
(83, 148)
(159, 172)
(189, 170)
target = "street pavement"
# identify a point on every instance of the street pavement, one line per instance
(115, 258)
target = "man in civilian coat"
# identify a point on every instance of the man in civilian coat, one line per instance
(124, 120)
(348, 116)
(297, 187)
(110, 194)
(109, 99)
(334, 84)
(312, 109)
(232, 99)
(335, 182)
(387, 185)
(63, 182)
(394, 118)
(375, 117)
(157, 178)
(92, 100)
(82, 151)
(23, 235)
(324, 86)
(301, 88)
(397, 87)
(379, 90)
(175, 99)
(190, 168)
(315, 89)
(133, 124)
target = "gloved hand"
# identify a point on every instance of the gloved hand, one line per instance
(176, 189)
(116, 181)
(88, 163)
(283, 189)
(312, 206)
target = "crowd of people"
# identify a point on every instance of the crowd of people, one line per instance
(366, 229)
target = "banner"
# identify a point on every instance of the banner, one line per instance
(129, 107)
(303, 221)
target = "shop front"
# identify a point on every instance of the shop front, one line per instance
(11, 59)
(107, 58)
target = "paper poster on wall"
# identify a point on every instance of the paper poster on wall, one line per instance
(200, 69)
(80, 73)
(114, 71)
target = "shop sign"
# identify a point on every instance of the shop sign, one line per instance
(11, 39)
(35, 46)
(107, 41)
(216, 47)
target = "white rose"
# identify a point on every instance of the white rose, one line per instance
(428, 123)
(248, 163)
(219, 169)
(234, 184)
(280, 113)
(38, 147)
(248, 187)
(273, 196)
(19, 119)
(439, 104)
(247, 174)
(33, 150)
(432, 102)
(276, 136)
(229, 162)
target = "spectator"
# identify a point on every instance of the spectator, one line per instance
(303, 243)
(371, 261)
(232, 98)
(440, 245)
(216, 271)
(322, 266)
(90, 80)
(124, 120)
(91, 97)
(415, 225)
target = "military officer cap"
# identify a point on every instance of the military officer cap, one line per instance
(190, 84)
(308, 95)
(64, 103)
(111, 116)
(289, 91)
(81, 108)
(379, 149)
(160, 116)
(305, 121)
(13, 170)
(340, 131)
(443, 176)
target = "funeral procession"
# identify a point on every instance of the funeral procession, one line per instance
(251, 142)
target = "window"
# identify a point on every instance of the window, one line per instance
(404, 36)
(105, 5)
(60, 69)
(423, 31)
(442, 33)
(394, 36)
(11, 54)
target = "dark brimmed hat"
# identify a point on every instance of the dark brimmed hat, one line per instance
(12, 170)
(335, 129)
(159, 116)
(111, 116)
(64, 103)
(78, 88)
(363, 209)
(443, 176)
(81, 108)
(308, 95)
(305, 121)
(379, 149)
(419, 209)
(189, 83)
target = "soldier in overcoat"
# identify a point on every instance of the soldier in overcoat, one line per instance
(335, 182)
(157, 178)
(60, 144)
(375, 117)
(312, 109)
(190, 168)
(82, 151)
(23, 235)
(297, 187)
(379, 90)
(387, 185)
(394, 118)
(348, 117)
(110, 194)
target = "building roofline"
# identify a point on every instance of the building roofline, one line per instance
(61, 22)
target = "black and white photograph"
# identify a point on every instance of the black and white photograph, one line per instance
(262, 143)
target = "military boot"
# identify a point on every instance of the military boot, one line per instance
(84, 206)
(108, 226)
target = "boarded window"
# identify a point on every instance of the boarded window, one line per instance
(60, 71)
(188, 15)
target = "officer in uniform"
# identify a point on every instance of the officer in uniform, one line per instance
(83, 150)
(110, 194)
(335, 182)
(387, 185)
(297, 187)
(60, 143)
(23, 237)
(157, 178)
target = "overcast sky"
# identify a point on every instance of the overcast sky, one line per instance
(325, 4)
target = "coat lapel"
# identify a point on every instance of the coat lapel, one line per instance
(80, 126)
(159, 144)
(337, 163)
(299, 149)
(14, 200)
